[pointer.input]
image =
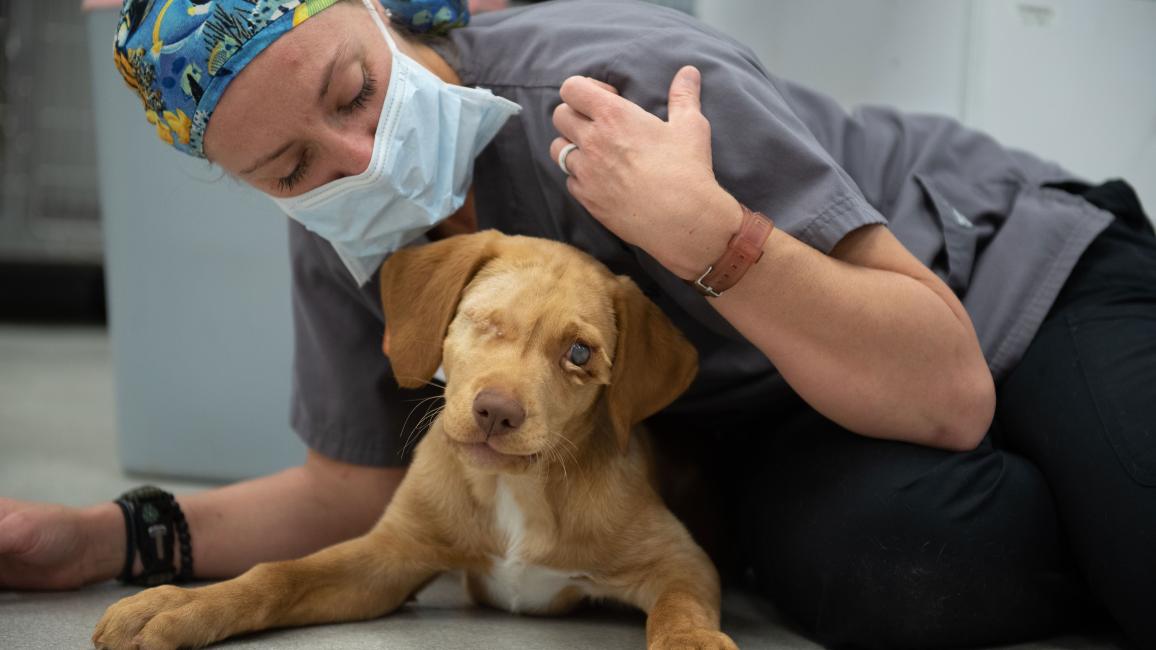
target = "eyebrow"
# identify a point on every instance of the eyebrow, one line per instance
(267, 159)
(326, 80)
(327, 77)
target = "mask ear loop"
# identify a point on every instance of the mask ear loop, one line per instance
(381, 25)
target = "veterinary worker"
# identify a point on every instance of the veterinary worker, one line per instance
(925, 412)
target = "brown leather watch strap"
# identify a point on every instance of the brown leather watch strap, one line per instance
(743, 250)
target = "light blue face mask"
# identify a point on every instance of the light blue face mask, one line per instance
(427, 138)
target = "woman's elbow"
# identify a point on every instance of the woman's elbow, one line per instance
(969, 413)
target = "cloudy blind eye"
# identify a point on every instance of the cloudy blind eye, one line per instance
(579, 354)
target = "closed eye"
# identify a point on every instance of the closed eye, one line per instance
(289, 182)
(368, 89)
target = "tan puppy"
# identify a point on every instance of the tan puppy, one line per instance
(528, 481)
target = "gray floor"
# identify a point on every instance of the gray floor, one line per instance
(57, 443)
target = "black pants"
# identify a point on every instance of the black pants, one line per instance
(879, 544)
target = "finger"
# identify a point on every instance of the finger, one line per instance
(589, 97)
(571, 124)
(556, 147)
(573, 163)
(685, 94)
(14, 534)
(9, 544)
(574, 187)
(580, 190)
(605, 86)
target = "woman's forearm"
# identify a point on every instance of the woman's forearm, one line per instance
(284, 515)
(877, 351)
(868, 336)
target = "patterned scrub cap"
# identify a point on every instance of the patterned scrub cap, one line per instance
(180, 55)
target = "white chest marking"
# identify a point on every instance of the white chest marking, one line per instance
(511, 582)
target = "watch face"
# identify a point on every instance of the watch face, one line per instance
(149, 513)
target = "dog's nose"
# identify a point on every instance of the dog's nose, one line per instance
(497, 414)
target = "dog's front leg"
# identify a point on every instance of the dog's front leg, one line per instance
(677, 585)
(685, 615)
(359, 579)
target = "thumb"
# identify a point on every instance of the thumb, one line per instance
(17, 528)
(685, 91)
(13, 535)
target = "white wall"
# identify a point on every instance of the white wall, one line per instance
(1074, 80)
(1070, 80)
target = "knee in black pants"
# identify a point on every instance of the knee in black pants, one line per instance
(895, 546)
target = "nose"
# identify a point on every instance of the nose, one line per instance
(496, 413)
(355, 155)
(350, 150)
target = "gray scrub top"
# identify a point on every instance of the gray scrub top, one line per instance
(970, 209)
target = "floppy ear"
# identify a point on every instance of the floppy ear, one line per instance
(653, 361)
(420, 289)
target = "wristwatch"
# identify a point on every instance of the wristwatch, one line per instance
(154, 527)
(744, 249)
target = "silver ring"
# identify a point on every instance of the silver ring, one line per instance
(562, 157)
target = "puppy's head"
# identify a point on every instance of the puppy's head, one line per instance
(541, 346)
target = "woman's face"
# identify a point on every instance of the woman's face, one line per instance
(304, 112)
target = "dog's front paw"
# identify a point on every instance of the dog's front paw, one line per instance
(161, 618)
(694, 640)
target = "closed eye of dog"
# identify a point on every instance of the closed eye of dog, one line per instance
(488, 326)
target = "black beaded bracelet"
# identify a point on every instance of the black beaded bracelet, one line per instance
(154, 524)
(186, 543)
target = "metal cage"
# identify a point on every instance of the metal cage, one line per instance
(49, 208)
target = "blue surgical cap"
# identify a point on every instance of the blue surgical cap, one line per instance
(180, 55)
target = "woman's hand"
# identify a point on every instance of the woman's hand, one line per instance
(648, 181)
(48, 546)
(867, 335)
